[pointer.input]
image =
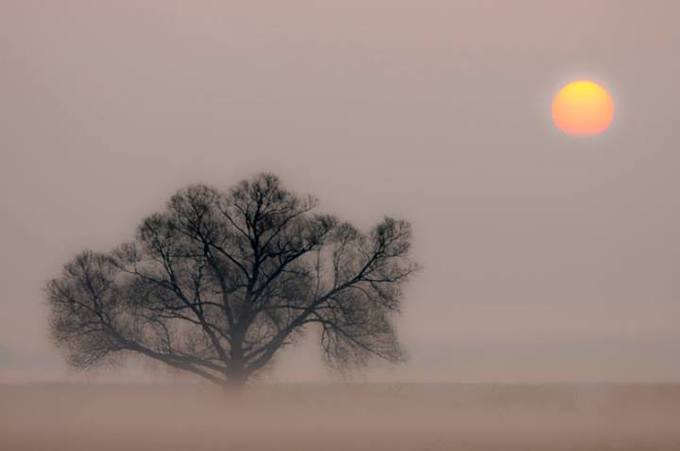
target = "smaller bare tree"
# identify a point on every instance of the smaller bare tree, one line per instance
(220, 281)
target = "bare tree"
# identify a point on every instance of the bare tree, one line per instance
(220, 281)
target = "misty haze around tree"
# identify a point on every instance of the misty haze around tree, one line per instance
(220, 281)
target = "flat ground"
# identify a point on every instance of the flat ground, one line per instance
(341, 417)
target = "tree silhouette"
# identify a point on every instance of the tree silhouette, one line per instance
(220, 281)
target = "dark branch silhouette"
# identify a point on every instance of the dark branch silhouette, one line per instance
(220, 281)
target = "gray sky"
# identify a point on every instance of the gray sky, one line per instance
(546, 258)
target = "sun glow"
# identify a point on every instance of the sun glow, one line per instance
(582, 108)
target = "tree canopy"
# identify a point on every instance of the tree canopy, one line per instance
(220, 281)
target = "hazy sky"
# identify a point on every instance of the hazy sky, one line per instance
(546, 258)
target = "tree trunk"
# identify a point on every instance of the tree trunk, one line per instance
(236, 380)
(236, 371)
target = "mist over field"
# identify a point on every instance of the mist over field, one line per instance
(378, 417)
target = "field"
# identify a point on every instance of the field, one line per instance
(340, 417)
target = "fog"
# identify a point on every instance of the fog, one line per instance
(545, 258)
(378, 417)
(550, 264)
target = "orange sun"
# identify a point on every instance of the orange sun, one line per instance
(582, 108)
